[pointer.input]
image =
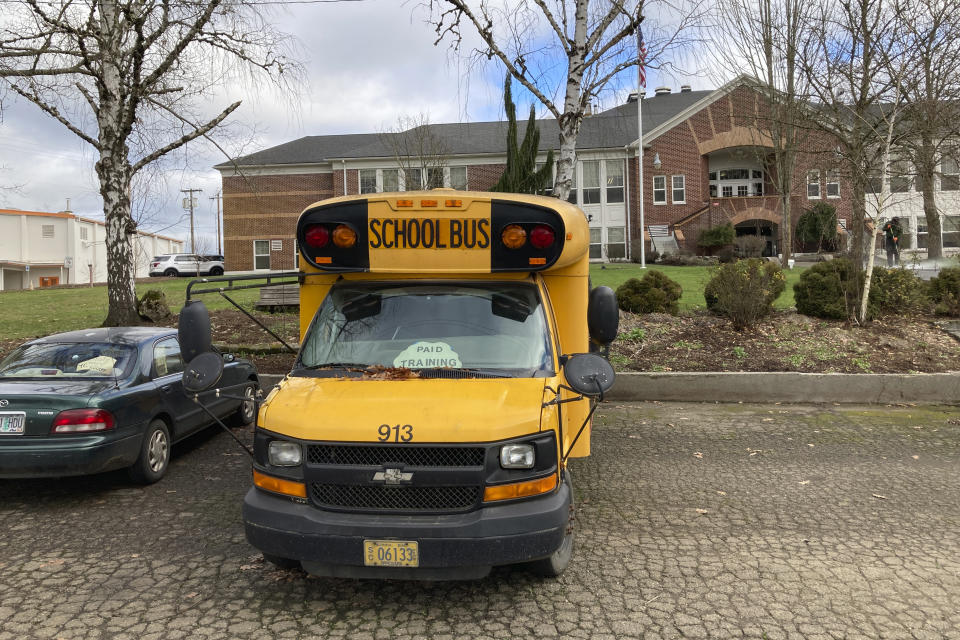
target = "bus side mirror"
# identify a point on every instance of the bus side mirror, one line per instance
(588, 374)
(194, 330)
(603, 316)
(203, 372)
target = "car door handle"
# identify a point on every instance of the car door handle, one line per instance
(167, 388)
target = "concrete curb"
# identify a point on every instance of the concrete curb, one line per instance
(844, 388)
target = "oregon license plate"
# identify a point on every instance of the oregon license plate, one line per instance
(11, 422)
(391, 553)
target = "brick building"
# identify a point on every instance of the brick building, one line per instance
(703, 160)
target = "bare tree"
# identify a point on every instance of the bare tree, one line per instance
(932, 99)
(594, 41)
(763, 37)
(848, 53)
(134, 78)
(420, 153)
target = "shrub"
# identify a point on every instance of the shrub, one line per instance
(744, 291)
(818, 226)
(750, 246)
(685, 258)
(897, 292)
(717, 236)
(827, 289)
(944, 291)
(652, 294)
(726, 254)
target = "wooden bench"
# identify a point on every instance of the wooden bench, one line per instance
(279, 298)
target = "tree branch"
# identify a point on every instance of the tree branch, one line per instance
(182, 140)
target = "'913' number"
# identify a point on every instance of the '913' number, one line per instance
(401, 433)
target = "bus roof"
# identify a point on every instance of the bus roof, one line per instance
(442, 231)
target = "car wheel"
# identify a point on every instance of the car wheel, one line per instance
(154, 454)
(216, 271)
(170, 273)
(281, 563)
(247, 410)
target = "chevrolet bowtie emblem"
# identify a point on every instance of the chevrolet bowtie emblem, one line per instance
(4, 403)
(392, 476)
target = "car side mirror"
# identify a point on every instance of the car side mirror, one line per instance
(203, 372)
(194, 330)
(603, 315)
(588, 374)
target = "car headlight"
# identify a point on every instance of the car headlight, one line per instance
(517, 456)
(281, 453)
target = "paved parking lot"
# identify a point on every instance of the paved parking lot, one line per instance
(693, 521)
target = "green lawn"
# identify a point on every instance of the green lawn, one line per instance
(27, 314)
(692, 279)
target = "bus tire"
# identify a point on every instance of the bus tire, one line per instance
(556, 563)
(281, 563)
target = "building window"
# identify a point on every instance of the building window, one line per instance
(434, 177)
(412, 179)
(874, 182)
(84, 233)
(726, 191)
(368, 180)
(261, 254)
(743, 190)
(949, 175)
(458, 178)
(813, 185)
(391, 179)
(679, 190)
(591, 182)
(951, 231)
(616, 242)
(713, 190)
(614, 181)
(758, 188)
(572, 198)
(833, 184)
(900, 178)
(596, 240)
(659, 189)
(46, 230)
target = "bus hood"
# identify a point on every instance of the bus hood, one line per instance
(437, 410)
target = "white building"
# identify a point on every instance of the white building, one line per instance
(40, 249)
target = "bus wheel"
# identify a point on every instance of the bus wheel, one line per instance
(281, 563)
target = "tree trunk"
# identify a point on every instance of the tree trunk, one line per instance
(932, 214)
(572, 115)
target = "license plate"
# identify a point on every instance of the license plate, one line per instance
(391, 553)
(11, 423)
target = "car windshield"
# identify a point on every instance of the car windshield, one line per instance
(69, 360)
(496, 328)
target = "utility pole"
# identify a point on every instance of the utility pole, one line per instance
(188, 203)
(217, 198)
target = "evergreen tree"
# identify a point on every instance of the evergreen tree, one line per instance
(521, 174)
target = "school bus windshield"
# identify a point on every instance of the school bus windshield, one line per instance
(497, 328)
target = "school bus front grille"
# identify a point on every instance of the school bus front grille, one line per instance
(408, 456)
(413, 499)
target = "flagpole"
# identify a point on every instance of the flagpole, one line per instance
(640, 92)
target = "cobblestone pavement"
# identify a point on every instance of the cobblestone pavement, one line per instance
(694, 521)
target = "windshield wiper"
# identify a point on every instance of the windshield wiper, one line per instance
(459, 372)
(338, 365)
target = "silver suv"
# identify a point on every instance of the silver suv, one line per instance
(186, 264)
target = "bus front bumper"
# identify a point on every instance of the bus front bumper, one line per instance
(451, 546)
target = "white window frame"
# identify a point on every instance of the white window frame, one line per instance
(954, 176)
(662, 189)
(256, 255)
(833, 178)
(810, 174)
(448, 177)
(674, 189)
(376, 180)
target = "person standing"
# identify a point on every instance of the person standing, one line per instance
(891, 235)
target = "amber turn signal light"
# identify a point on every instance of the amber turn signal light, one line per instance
(279, 485)
(513, 236)
(520, 489)
(344, 237)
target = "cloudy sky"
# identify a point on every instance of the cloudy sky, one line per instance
(369, 63)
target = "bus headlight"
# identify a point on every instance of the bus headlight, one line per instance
(517, 456)
(281, 453)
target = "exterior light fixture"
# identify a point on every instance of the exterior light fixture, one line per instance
(656, 161)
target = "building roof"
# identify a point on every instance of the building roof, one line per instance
(72, 216)
(616, 127)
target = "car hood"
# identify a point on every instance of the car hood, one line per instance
(42, 400)
(438, 410)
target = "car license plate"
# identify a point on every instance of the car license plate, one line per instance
(391, 553)
(11, 422)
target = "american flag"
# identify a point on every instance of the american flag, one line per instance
(641, 58)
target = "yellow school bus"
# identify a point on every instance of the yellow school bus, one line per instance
(443, 382)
